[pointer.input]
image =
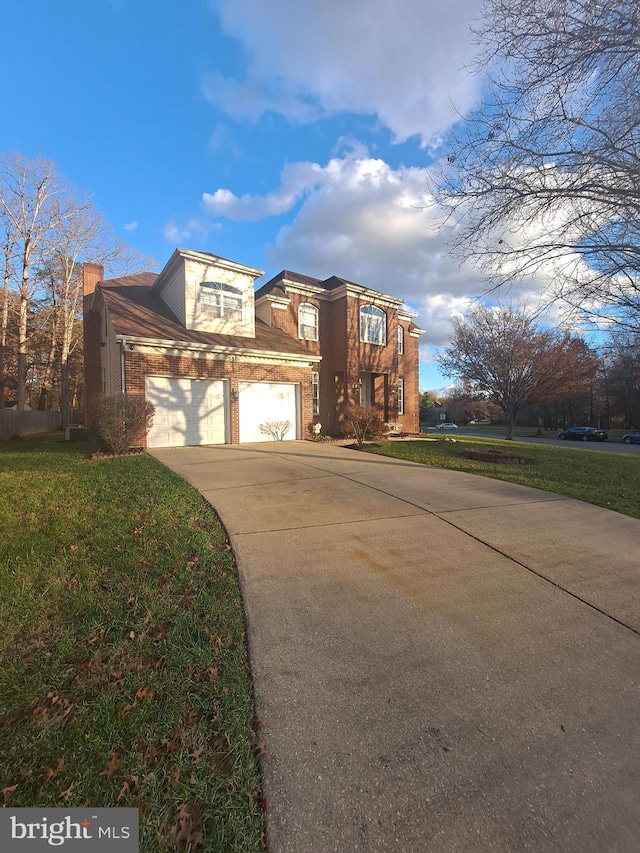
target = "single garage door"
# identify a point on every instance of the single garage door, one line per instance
(188, 411)
(261, 402)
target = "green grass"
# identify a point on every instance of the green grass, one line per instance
(610, 480)
(123, 663)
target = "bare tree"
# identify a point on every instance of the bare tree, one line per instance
(48, 229)
(8, 247)
(33, 202)
(544, 179)
(509, 358)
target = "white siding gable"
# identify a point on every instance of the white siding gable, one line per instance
(173, 291)
(197, 317)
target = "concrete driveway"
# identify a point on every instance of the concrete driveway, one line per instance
(443, 662)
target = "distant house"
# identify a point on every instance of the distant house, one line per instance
(219, 360)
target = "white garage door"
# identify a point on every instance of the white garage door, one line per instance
(262, 403)
(188, 411)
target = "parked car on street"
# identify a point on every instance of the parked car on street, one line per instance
(632, 437)
(584, 434)
(446, 426)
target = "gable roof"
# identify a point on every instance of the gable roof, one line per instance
(276, 286)
(137, 311)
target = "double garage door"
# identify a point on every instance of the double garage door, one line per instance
(196, 411)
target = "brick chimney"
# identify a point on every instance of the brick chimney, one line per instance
(91, 332)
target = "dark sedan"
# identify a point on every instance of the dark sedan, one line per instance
(632, 437)
(584, 434)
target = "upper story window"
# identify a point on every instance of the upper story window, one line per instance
(400, 340)
(308, 322)
(373, 325)
(220, 300)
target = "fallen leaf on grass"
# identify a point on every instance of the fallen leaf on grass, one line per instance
(142, 693)
(115, 762)
(6, 792)
(196, 754)
(52, 772)
(128, 788)
(156, 633)
(64, 795)
(187, 835)
(261, 749)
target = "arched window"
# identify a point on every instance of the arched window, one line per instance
(220, 300)
(400, 340)
(307, 322)
(373, 325)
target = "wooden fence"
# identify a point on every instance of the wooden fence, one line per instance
(27, 423)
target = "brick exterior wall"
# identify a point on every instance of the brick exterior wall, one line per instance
(345, 357)
(139, 365)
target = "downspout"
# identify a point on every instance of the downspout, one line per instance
(122, 373)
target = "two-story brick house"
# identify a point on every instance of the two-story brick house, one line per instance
(220, 361)
(367, 339)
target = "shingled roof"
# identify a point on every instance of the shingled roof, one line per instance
(137, 311)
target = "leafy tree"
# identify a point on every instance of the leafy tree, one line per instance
(622, 376)
(509, 358)
(427, 405)
(544, 176)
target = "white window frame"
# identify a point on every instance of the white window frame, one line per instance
(400, 396)
(221, 301)
(400, 340)
(373, 325)
(315, 392)
(307, 331)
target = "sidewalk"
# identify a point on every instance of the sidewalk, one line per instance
(443, 662)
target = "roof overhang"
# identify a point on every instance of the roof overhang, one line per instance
(230, 352)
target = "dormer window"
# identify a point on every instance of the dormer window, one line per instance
(221, 301)
(307, 322)
(373, 325)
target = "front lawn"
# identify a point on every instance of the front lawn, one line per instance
(610, 480)
(123, 664)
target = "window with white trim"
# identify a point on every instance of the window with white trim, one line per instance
(401, 396)
(373, 325)
(307, 322)
(220, 300)
(400, 340)
(315, 392)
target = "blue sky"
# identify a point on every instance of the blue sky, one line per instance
(280, 134)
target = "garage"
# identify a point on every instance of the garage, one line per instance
(261, 402)
(188, 411)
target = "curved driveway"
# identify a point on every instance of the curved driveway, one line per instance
(443, 662)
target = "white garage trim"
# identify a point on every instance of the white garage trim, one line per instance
(188, 411)
(260, 402)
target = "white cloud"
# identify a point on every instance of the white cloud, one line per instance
(404, 62)
(362, 220)
(177, 234)
(131, 226)
(366, 222)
